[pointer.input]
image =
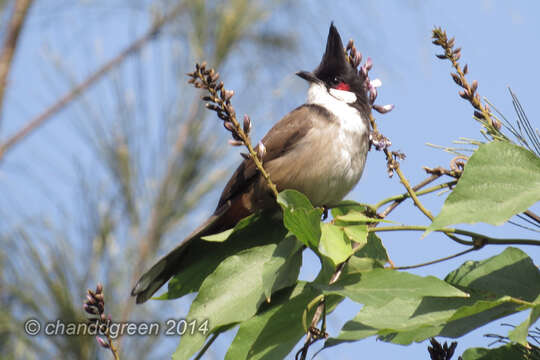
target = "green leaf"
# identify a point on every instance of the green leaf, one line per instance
(506, 352)
(346, 206)
(403, 321)
(220, 237)
(334, 244)
(356, 216)
(361, 264)
(357, 233)
(300, 217)
(406, 320)
(499, 181)
(274, 332)
(510, 273)
(205, 256)
(219, 298)
(499, 286)
(520, 332)
(379, 286)
(282, 269)
(374, 249)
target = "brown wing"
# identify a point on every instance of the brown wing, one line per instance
(281, 139)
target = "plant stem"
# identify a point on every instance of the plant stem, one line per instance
(532, 215)
(113, 348)
(485, 240)
(206, 346)
(435, 261)
(401, 197)
(20, 10)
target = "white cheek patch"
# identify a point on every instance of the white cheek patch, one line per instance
(345, 96)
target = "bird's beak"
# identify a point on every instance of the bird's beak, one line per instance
(308, 76)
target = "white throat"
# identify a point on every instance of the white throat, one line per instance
(338, 102)
(318, 94)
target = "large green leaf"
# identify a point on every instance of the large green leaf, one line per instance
(273, 333)
(403, 321)
(506, 352)
(406, 320)
(357, 233)
(282, 269)
(371, 255)
(374, 249)
(347, 206)
(232, 293)
(499, 181)
(510, 273)
(205, 256)
(520, 333)
(379, 286)
(300, 217)
(334, 243)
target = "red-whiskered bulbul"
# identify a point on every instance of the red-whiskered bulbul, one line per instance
(319, 149)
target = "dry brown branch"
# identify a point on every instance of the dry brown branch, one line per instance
(16, 23)
(72, 94)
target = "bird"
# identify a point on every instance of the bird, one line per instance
(320, 149)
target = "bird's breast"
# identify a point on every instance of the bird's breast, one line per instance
(329, 159)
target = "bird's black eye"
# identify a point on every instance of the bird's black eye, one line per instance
(336, 80)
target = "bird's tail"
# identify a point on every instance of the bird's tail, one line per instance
(159, 274)
(152, 280)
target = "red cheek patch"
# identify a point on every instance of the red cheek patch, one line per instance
(343, 86)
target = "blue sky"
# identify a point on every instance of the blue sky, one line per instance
(500, 44)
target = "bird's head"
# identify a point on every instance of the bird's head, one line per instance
(336, 73)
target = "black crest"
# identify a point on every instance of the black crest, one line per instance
(334, 63)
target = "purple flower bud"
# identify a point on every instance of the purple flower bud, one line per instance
(383, 109)
(363, 71)
(379, 141)
(261, 150)
(369, 64)
(372, 95)
(357, 58)
(102, 342)
(474, 85)
(235, 142)
(229, 126)
(247, 124)
(90, 309)
(228, 94)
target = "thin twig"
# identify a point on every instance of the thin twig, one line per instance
(532, 215)
(206, 346)
(435, 261)
(482, 111)
(72, 94)
(398, 199)
(20, 10)
(477, 238)
(219, 100)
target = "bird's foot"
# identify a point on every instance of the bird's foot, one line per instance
(325, 212)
